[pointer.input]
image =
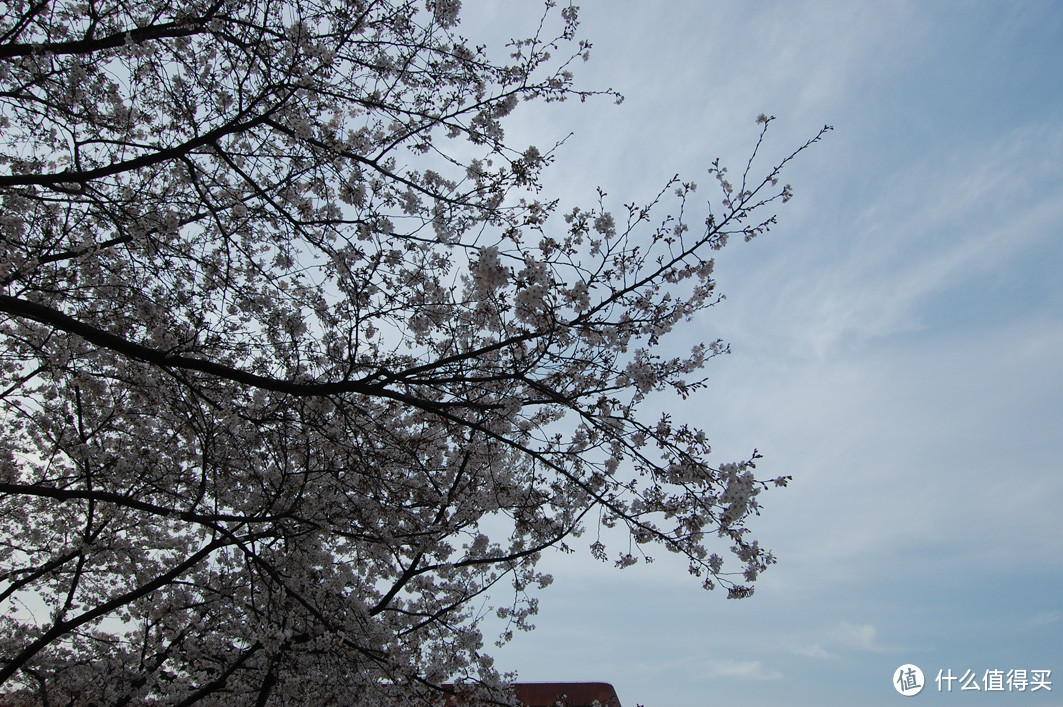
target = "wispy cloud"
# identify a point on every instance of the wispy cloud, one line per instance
(814, 651)
(1045, 618)
(861, 636)
(740, 670)
(952, 219)
(839, 640)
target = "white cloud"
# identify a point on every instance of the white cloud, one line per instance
(740, 670)
(836, 642)
(814, 651)
(860, 636)
(1046, 618)
(951, 220)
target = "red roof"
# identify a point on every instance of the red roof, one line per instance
(531, 694)
(568, 694)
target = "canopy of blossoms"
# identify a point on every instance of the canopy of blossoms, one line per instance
(296, 362)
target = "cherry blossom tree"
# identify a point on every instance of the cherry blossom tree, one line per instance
(299, 370)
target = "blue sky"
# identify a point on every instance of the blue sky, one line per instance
(898, 344)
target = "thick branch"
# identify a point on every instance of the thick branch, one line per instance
(146, 160)
(128, 502)
(64, 627)
(184, 28)
(58, 320)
